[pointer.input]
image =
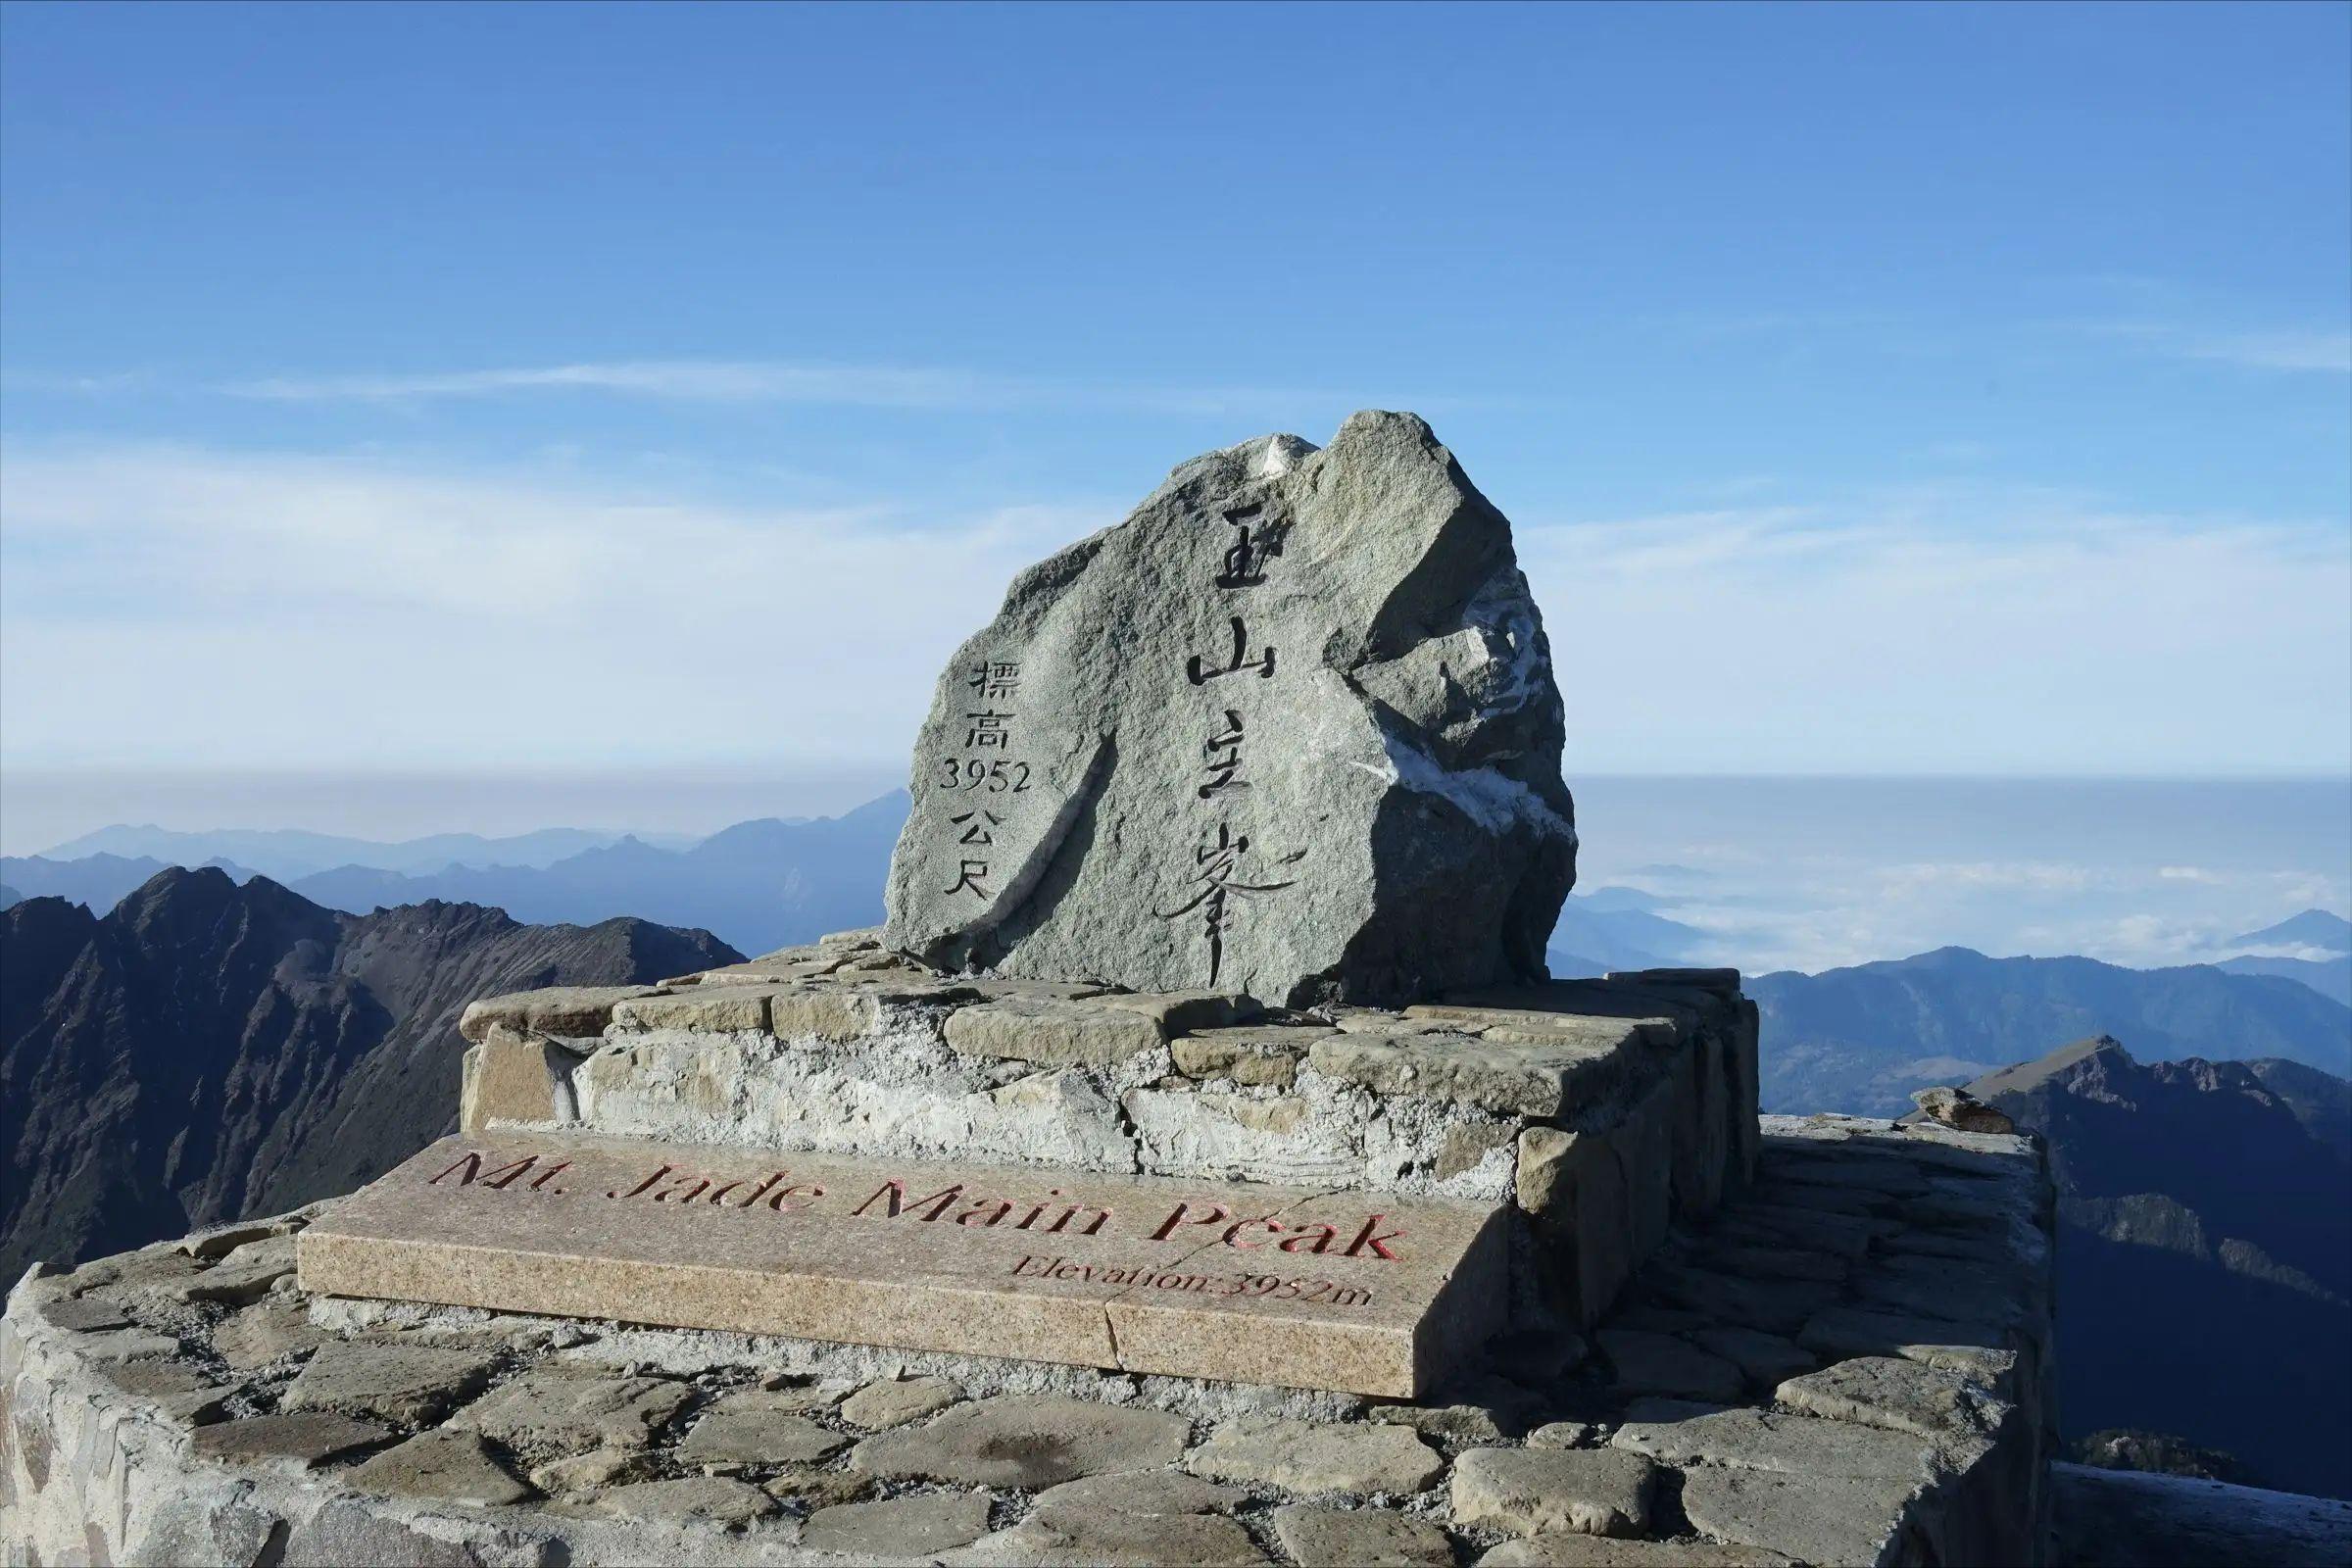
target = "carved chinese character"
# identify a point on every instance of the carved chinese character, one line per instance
(978, 832)
(1200, 674)
(1219, 864)
(1245, 562)
(1223, 750)
(996, 677)
(968, 879)
(989, 728)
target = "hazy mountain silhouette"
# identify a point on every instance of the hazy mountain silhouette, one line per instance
(2313, 928)
(207, 1050)
(1861, 1039)
(284, 854)
(759, 885)
(2205, 1260)
(2330, 977)
(100, 881)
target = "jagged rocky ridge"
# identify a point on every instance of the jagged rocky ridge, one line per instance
(208, 1050)
(2205, 1253)
(1859, 1039)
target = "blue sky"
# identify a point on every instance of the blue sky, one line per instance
(1873, 389)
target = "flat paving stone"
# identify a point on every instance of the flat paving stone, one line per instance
(83, 1314)
(693, 1500)
(755, 1427)
(1900, 1396)
(1106, 1537)
(444, 1465)
(293, 1440)
(265, 1332)
(1763, 1440)
(560, 1410)
(408, 1384)
(895, 1401)
(245, 1274)
(1596, 1551)
(1659, 1363)
(1813, 1518)
(1359, 1537)
(809, 1487)
(1365, 1456)
(1530, 1492)
(125, 1344)
(595, 1470)
(1027, 1441)
(899, 1528)
(1143, 1492)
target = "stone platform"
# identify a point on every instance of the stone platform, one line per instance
(1846, 1362)
(1598, 1112)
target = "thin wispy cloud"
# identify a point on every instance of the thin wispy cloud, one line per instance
(2323, 350)
(782, 381)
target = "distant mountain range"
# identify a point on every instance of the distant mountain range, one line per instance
(1861, 1039)
(207, 1050)
(286, 854)
(759, 885)
(1854, 1039)
(2205, 1255)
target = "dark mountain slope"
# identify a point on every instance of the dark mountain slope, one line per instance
(1862, 1038)
(2205, 1259)
(207, 1050)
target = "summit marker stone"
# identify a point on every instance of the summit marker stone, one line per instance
(1290, 730)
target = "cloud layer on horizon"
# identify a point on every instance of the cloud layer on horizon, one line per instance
(165, 604)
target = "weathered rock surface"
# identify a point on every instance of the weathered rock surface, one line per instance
(1313, 1457)
(1106, 1537)
(447, 1465)
(1026, 1441)
(1290, 729)
(895, 1401)
(899, 1528)
(409, 1384)
(1359, 1537)
(1533, 1492)
(570, 1411)
(756, 1427)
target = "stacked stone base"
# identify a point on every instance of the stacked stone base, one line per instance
(1603, 1111)
(1846, 1362)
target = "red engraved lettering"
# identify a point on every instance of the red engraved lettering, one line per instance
(1233, 1236)
(985, 1211)
(1364, 1237)
(798, 1190)
(719, 1194)
(503, 1177)
(1309, 1239)
(1184, 1216)
(893, 1193)
(643, 1185)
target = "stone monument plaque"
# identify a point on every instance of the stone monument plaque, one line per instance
(1359, 1292)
